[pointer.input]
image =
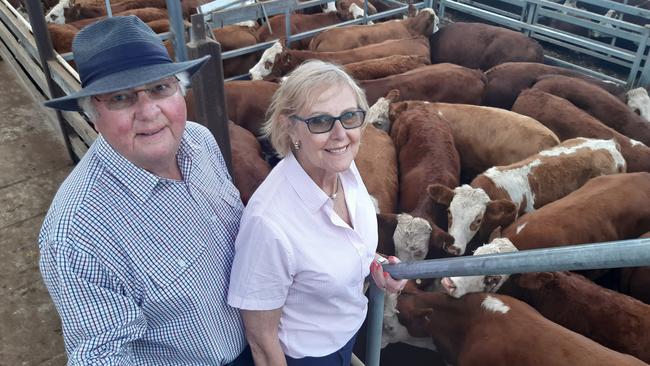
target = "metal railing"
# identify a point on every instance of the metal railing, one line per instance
(615, 254)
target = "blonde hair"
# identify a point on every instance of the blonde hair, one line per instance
(300, 88)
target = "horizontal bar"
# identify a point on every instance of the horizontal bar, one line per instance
(615, 254)
(559, 62)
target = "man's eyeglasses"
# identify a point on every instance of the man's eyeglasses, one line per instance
(324, 123)
(126, 98)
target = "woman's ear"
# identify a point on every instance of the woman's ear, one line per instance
(289, 126)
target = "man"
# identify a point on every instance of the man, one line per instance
(137, 246)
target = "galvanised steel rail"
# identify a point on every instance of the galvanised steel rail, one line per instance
(615, 254)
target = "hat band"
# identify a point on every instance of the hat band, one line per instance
(124, 57)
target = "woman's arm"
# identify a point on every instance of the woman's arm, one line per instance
(262, 335)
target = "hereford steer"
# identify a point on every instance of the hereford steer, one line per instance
(354, 36)
(232, 37)
(434, 83)
(426, 155)
(482, 46)
(300, 23)
(606, 208)
(512, 136)
(598, 103)
(570, 300)
(249, 168)
(279, 60)
(529, 184)
(507, 80)
(495, 330)
(377, 164)
(62, 36)
(639, 101)
(385, 66)
(569, 121)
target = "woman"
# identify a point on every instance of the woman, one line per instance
(309, 233)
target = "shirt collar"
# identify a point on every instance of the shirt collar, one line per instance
(310, 193)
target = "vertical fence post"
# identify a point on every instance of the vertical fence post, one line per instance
(45, 54)
(375, 322)
(208, 88)
(644, 79)
(177, 29)
(109, 11)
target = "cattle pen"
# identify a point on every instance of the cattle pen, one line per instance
(27, 47)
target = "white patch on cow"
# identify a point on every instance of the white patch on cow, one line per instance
(378, 114)
(436, 20)
(356, 11)
(515, 183)
(411, 237)
(459, 286)
(636, 143)
(262, 68)
(375, 203)
(521, 227)
(593, 144)
(330, 7)
(247, 23)
(639, 101)
(392, 331)
(468, 205)
(493, 304)
(55, 15)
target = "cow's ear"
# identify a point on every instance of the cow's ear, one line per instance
(534, 281)
(393, 95)
(388, 220)
(500, 213)
(440, 194)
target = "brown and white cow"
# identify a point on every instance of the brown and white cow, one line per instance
(529, 184)
(377, 164)
(598, 103)
(639, 101)
(482, 46)
(426, 155)
(568, 299)
(278, 60)
(507, 80)
(569, 121)
(606, 208)
(495, 330)
(511, 136)
(385, 66)
(354, 36)
(249, 168)
(232, 37)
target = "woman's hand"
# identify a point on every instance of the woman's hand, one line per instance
(383, 280)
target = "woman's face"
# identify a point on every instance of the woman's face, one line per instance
(325, 154)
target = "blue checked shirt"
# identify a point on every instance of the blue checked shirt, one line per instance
(138, 265)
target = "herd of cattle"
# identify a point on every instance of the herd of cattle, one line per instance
(473, 146)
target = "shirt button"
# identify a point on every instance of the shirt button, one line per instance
(181, 263)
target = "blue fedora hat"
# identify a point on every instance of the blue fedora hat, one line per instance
(119, 53)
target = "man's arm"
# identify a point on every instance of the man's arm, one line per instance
(262, 335)
(100, 317)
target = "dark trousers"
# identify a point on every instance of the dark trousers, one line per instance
(341, 357)
(245, 358)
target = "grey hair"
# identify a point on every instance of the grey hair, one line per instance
(300, 88)
(90, 111)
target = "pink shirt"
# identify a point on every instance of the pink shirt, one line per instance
(294, 252)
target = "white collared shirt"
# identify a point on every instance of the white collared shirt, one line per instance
(294, 252)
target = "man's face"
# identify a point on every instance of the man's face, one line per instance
(147, 133)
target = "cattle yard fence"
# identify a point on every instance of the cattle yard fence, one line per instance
(587, 32)
(615, 254)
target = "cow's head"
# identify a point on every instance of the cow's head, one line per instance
(411, 237)
(56, 14)
(434, 21)
(378, 112)
(270, 56)
(459, 286)
(470, 209)
(393, 330)
(639, 101)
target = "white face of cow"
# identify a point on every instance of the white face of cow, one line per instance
(392, 331)
(639, 101)
(459, 286)
(378, 114)
(330, 7)
(55, 15)
(465, 215)
(436, 20)
(265, 65)
(356, 11)
(411, 237)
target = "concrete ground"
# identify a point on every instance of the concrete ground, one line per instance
(33, 163)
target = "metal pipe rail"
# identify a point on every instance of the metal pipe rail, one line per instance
(615, 254)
